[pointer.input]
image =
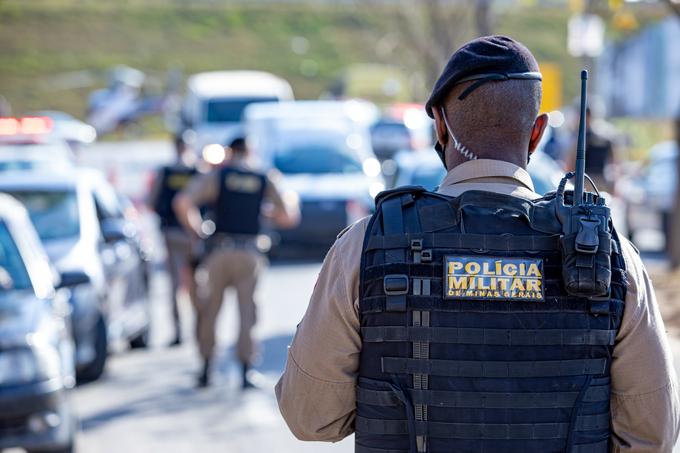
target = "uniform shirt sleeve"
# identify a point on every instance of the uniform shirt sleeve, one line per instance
(272, 192)
(203, 189)
(645, 405)
(316, 393)
(155, 191)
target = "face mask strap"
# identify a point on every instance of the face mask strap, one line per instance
(457, 145)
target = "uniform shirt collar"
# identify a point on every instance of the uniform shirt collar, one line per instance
(488, 168)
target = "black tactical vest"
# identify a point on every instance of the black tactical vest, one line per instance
(470, 341)
(173, 181)
(239, 201)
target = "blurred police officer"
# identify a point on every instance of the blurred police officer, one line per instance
(169, 181)
(240, 195)
(442, 324)
(600, 152)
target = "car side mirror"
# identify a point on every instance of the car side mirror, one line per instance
(114, 230)
(69, 279)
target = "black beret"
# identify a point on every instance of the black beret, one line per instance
(485, 59)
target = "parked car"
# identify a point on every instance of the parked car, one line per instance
(651, 193)
(402, 127)
(80, 221)
(36, 349)
(323, 151)
(35, 156)
(68, 129)
(215, 101)
(30, 143)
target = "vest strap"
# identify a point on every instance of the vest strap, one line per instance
(508, 337)
(376, 304)
(465, 241)
(485, 400)
(358, 448)
(494, 369)
(481, 430)
(599, 447)
(393, 224)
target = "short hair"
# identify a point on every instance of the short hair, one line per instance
(238, 145)
(495, 116)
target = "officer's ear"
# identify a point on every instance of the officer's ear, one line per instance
(440, 126)
(537, 132)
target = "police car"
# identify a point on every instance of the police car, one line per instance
(82, 225)
(36, 350)
(31, 143)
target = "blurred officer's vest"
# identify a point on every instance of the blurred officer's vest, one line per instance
(174, 180)
(239, 201)
(470, 342)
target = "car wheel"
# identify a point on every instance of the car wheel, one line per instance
(93, 371)
(141, 340)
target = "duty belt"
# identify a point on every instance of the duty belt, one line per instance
(233, 241)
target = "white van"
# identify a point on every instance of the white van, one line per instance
(215, 101)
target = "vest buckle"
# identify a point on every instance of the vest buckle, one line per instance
(395, 284)
(416, 245)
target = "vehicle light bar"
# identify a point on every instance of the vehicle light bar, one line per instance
(29, 125)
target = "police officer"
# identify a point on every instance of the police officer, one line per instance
(600, 152)
(169, 181)
(442, 324)
(240, 195)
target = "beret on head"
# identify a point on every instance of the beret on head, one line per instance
(485, 59)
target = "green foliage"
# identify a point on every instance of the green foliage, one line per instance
(43, 39)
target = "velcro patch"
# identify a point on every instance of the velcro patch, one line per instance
(493, 278)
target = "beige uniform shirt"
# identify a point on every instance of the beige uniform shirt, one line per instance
(316, 393)
(204, 189)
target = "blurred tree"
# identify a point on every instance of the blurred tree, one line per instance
(483, 17)
(428, 31)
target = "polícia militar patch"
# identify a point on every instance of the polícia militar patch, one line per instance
(493, 278)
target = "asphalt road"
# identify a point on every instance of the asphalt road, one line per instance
(146, 402)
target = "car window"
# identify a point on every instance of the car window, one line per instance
(230, 110)
(107, 202)
(13, 274)
(316, 158)
(54, 213)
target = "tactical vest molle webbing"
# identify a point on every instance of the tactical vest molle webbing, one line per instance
(470, 342)
(239, 201)
(173, 181)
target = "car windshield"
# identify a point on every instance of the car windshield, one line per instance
(316, 157)
(54, 213)
(13, 275)
(230, 110)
